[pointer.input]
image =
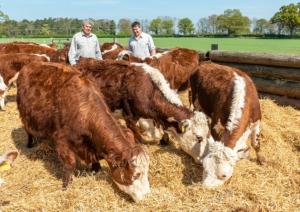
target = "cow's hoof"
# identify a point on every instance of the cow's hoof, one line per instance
(165, 140)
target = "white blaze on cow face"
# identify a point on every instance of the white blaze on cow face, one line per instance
(140, 185)
(122, 54)
(149, 131)
(195, 135)
(237, 104)
(113, 48)
(160, 81)
(218, 164)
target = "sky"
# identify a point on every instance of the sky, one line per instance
(143, 9)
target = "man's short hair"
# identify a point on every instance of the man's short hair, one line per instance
(87, 21)
(136, 23)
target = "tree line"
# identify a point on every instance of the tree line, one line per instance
(232, 22)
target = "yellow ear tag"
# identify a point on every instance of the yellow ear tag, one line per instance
(5, 166)
(183, 128)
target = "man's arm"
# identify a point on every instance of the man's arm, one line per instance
(72, 52)
(98, 51)
(153, 52)
(129, 47)
(152, 48)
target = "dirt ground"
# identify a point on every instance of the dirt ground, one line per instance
(34, 182)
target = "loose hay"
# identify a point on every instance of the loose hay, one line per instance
(34, 183)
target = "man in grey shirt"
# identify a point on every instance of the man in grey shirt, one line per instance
(84, 44)
(141, 44)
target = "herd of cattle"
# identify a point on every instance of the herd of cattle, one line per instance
(72, 105)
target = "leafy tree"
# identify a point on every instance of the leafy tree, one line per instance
(167, 26)
(3, 17)
(289, 17)
(233, 22)
(186, 26)
(262, 26)
(124, 26)
(45, 29)
(212, 23)
(155, 26)
(203, 25)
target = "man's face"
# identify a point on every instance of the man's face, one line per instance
(87, 28)
(136, 31)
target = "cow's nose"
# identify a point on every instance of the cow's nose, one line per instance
(199, 138)
(222, 176)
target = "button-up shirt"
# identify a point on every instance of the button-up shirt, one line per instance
(141, 46)
(84, 46)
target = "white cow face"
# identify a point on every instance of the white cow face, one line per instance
(6, 161)
(133, 178)
(150, 131)
(195, 135)
(218, 164)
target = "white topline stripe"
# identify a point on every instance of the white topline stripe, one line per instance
(114, 47)
(238, 102)
(161, 83)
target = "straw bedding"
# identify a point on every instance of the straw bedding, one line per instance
(34, 182)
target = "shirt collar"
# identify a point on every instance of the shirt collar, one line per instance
(83, 35)
(141, 36)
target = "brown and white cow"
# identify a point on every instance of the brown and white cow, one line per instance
(56, 101)
(50, 45)
(21, 47)
(230, 98)
(177, 64)
(10, 65)
(143, 92)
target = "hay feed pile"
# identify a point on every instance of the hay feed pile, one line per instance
(34, 183)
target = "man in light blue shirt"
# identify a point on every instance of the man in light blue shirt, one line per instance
(141, 44)
(84, 44)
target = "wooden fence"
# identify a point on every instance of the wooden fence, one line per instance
(278, 76)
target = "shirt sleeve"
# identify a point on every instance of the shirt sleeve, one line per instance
(98, 51)
(129, 46)
(72, 52)
(151, 43)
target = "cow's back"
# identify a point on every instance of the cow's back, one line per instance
(41, 87)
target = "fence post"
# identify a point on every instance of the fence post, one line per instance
(214, 47)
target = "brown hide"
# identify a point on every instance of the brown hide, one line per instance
(56, 101)
(25, 48)
(131, 88)
(212, 92)
(112, 54)
(12, 63)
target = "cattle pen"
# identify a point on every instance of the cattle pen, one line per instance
(34, 182)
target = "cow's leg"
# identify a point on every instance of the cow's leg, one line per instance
(165, 140)
(96, 167)
(30, 141)
(67, 157)
(255, 143)
(131, 122)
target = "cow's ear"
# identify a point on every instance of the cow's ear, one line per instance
(183, 126)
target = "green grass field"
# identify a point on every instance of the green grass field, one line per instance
(276, 46)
